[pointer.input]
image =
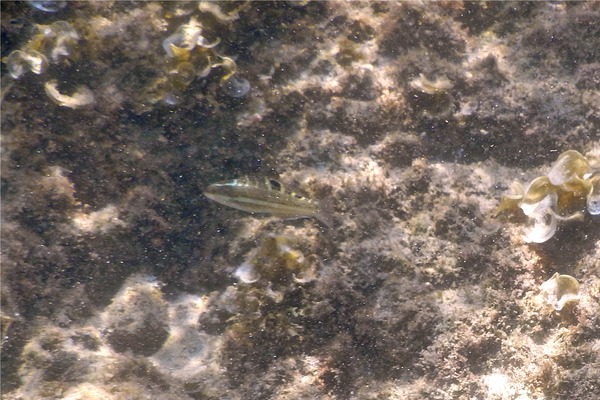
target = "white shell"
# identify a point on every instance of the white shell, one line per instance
(541, 227)
(246, 273)
(560, 290)
(593, 197)
(186, 37)
(82, 96)
(542, 220)
(569, 164)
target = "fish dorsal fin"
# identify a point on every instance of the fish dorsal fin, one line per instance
(264, 184)
(244, 181)
(269, 184)
(275, 185)
(300, 197)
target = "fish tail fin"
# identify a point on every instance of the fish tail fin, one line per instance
(325, 213)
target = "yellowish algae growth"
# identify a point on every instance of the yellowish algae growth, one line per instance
(189, 56)
(187, 37)
(561, 290)
(275, 260)
(51, 43)
(571, 185)
(440, 85)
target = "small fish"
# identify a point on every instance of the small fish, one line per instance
(265, 196)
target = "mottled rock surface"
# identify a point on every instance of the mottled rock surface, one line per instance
(409, 119)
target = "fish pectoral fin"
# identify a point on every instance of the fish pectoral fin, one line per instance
(325, 219)
(325, 213)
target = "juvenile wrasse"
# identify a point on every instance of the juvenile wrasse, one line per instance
(265, 196)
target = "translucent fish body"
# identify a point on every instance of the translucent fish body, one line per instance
(264, 196)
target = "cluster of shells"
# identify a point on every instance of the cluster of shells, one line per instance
(571, 187)
(51, 44)
(277, 262)
(191, 55)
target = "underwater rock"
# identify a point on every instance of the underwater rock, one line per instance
(101, 221)
(88, 391)
(136, 320)
(414, 296)
(440, 85)
(561, 290)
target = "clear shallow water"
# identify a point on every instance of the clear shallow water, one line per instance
(411, 120)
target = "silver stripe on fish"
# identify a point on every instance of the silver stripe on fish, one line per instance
(264, 196)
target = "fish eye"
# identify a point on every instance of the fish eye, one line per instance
(274, 184)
